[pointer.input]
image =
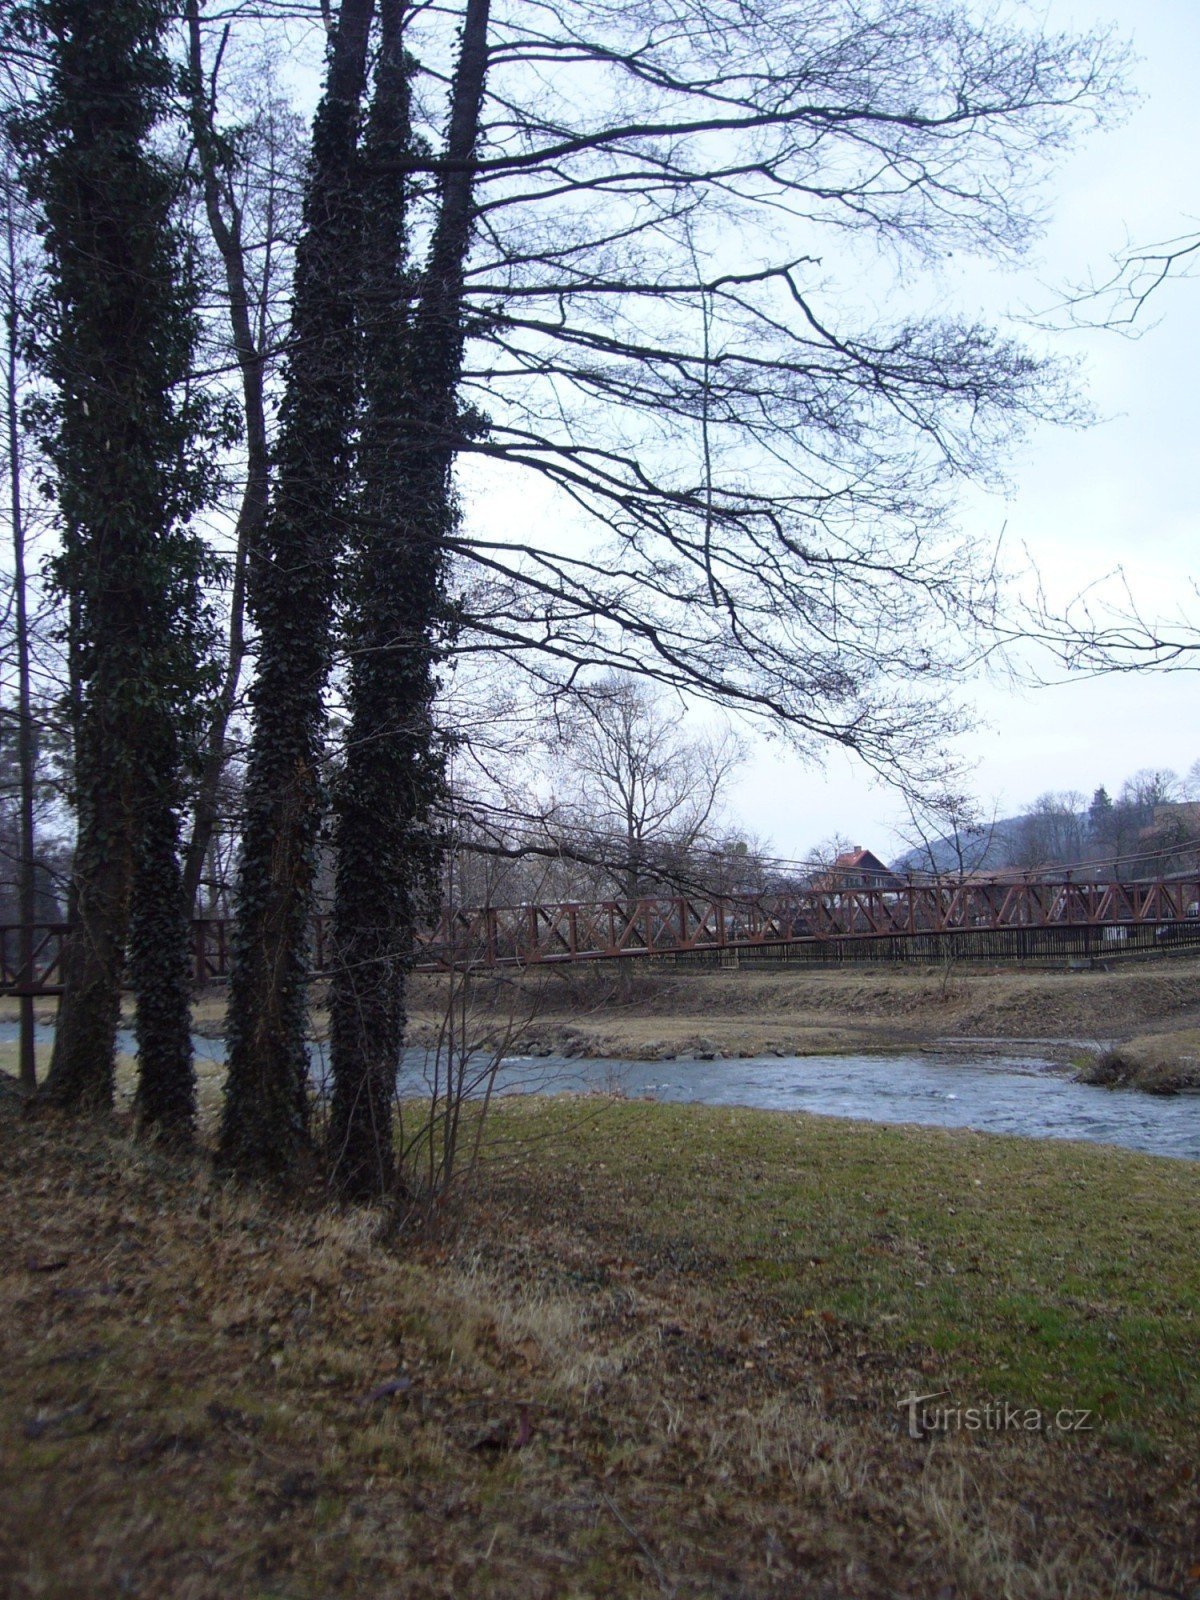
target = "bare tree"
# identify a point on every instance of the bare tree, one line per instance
(1053, 832)
(949, 834)
(1121, 300)
(16, 274)
(249, 176)
(631, 779)
(764, 541)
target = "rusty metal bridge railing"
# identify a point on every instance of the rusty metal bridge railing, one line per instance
(678, 925)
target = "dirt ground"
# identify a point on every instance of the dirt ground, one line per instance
(649, 1015)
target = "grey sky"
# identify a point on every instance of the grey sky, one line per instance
(1121, 494)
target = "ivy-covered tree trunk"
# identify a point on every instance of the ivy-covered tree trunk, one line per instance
(388, 851)
(264, 1131)
(161, 975)
(385, 778)
(125, 435)
(82, 1066)
(159, 958)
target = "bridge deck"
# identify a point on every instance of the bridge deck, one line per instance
(677, 925)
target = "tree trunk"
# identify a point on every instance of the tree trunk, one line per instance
(82, 1067)
(160, 970)
(264, 1130)
(26, 745)
(252, 513)
(389, 854)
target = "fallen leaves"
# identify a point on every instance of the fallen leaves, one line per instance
(593, 1399)
(392, 1386)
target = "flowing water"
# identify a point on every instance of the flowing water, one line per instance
(1018, 1093)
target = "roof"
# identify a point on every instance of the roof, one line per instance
(861, 859)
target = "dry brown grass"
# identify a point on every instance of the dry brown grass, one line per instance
(587, 1011)
(1160, 1063)
(207, 1395)
(592, 1010)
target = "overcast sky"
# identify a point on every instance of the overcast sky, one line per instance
(1125, 493)
(1122, 494)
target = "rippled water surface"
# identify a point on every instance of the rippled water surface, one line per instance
(996, 1094)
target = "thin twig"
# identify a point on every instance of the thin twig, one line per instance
(664, 1583)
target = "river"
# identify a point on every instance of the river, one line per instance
(1017, 1093)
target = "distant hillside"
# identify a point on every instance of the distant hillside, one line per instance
(969, 851)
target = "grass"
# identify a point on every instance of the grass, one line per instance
(661, 1354)
(1160, 1063)
(1053, 1273)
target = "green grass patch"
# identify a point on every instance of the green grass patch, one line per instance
(1053, 1273)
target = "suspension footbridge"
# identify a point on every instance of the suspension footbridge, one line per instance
(928, 920)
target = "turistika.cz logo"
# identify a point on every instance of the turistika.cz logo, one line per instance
(995, 1416)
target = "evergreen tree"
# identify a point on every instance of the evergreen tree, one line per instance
(1100, 817)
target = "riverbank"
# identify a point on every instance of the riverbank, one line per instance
(606, 1010)
(640, 1014)
(643, 1014)
(662, 1354)
(634, 1012)
(1164, 1063)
